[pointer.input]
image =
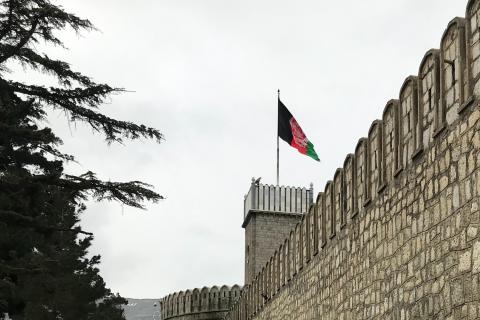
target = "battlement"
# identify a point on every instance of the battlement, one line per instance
(411, 183)
(281, 199)
(212, 303)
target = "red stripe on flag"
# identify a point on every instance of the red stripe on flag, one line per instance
(299, 141)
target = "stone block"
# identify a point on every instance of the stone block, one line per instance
(476, 257)
(465, 261)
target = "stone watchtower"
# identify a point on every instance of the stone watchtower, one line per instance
(270, 213)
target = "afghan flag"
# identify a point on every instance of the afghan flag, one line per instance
(290, 132)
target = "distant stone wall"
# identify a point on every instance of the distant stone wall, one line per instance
(199, 304)
(396, 233)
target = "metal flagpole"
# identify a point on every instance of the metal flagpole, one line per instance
(278, 144)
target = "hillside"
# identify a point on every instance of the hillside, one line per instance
(142, 309)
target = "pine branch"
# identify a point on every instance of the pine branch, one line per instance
(11, 217)
(57, 154)
(129, 193)
(43, 63)
(58, 19)
(71, 100)
(23, 156)
(50, 17)
(6, 28)
(23, 41)
(92, 96)
(6, 269)
(18, 136)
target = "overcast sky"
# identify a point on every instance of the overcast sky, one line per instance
(205, 72)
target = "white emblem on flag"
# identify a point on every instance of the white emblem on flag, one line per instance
(298, 136)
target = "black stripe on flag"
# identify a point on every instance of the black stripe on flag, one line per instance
(284, 128)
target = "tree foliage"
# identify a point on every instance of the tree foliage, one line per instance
(44, 269)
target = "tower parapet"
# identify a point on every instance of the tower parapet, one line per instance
(280, 199)
(270, 214)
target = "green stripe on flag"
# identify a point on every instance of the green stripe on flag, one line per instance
(311, 151)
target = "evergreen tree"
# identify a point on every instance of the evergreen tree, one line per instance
(44, 271)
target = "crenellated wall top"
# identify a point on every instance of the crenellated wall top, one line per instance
(199, 300)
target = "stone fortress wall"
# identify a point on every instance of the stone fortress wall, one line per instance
(396, 233)
(199, 304)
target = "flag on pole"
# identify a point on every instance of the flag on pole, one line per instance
(289, 131)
